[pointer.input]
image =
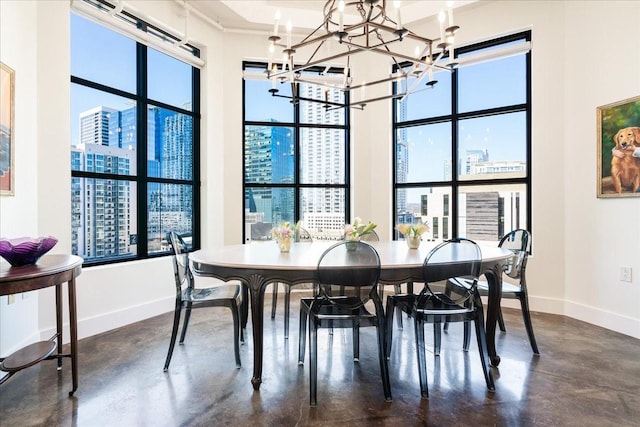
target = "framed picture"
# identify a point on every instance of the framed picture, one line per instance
(619, 149)
(7, 137)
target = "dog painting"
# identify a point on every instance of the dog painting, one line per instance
(619, 149)
(625, 163)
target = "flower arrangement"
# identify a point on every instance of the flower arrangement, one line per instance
(412, 233)
(412, 230)
(358, 229)
(284, 233)
(285, 230)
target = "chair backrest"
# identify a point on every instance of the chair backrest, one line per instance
(370, 237)
(453, 259)
(181, 268)
(519, 242)
(303, 236)
(349, 264)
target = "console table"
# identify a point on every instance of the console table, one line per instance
(50, 270)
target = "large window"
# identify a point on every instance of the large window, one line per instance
(463, 147)
(135, 126)
(295, 156)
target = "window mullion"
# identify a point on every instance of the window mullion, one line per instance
(141, 149)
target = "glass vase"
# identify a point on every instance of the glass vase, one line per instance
(352, 243)
(413, 241)
(284, 244)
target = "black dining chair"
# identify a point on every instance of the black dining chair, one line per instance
(302, 236)
(437, 303)
(353, 265)
(515, 284)
(189, 297)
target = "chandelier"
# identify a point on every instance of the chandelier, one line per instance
(377, 30)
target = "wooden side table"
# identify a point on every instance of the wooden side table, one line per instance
(50, 270)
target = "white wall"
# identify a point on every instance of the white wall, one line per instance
(601, 235)
(18, 214)
(580, 241)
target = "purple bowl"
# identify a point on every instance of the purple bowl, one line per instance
(25, 250)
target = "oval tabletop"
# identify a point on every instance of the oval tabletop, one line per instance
(304, 256)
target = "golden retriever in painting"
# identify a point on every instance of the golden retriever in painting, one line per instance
(625, 168)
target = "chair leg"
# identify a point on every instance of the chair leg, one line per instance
(467, 336)
(422, 363)
(398, 290)
(235, 314)
(187, 316)
(287, 304)
(382, 357)
(391, 308)
(501, 321)
(302, 335)
(274, 300)
(484, 352)
(437, 339)
(526, 316)
(356, 341)
(174, 334)
(313, 362)
(445, 327)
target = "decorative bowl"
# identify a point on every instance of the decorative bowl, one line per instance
(25, 250)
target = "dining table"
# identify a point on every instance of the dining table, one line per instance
(258, 264)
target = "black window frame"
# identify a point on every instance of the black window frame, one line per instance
(141, 179)
(297, 125)
(454, 118)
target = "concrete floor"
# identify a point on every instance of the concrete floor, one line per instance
(585, 376)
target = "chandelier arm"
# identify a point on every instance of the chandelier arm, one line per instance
(406, 33)
(297, 99)
(379, 98)
(385, 80)
(422, 76)
(408, 58)
(317, 62)
(304, 40)
(387, 48)
(317, 49)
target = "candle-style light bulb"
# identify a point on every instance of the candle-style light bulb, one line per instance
(450, 12)
(396, 5)
(276, 24)
(341, 15)
(441, 18)
(271, 50)
(289, 28)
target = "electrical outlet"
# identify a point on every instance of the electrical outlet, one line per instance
(625, 274)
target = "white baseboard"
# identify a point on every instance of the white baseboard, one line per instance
(107, 321)
(592, 315)
(104, 322)
(603, 318)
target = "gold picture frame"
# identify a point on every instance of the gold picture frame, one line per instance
(618, 148)
(7, 133)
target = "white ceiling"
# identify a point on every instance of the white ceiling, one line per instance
(258, 15)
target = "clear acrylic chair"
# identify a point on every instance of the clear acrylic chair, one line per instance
(350, 265)
(519, 242)
(437, 303)
(189, 297)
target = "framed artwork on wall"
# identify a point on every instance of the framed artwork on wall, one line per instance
(7, 137)
(618, 148)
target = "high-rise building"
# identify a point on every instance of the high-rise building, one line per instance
(322, 155)
(104, 210)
